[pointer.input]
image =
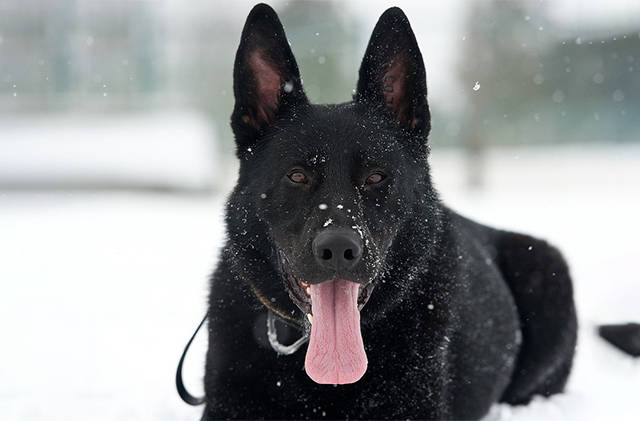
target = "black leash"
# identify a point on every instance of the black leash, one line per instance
(625, 337)
(182, 391)
(273, 340)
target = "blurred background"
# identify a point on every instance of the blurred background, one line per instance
(116, 157)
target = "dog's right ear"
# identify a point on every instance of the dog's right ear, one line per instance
(266, 80)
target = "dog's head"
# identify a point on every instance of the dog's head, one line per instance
(331, 184)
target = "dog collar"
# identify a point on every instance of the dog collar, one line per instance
(272, 334)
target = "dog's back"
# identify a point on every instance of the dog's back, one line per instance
(539, 281)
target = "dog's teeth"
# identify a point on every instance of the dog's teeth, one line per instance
(310, 317)
(304, 284)
(308, 291)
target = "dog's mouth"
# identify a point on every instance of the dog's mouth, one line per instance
(335, 354)
(300, 293)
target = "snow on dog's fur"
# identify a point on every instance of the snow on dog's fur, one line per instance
(413, 310)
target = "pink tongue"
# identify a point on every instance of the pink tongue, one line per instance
(335, 354)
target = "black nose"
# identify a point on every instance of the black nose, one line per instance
(337, 249)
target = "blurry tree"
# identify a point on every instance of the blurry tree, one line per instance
(325, 43)
(205, 47)
(63, 54)
(537, 81)
(500, 66)
(593, 83)
(540, 83)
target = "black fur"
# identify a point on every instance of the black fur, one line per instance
(625, 337)
(460, 316)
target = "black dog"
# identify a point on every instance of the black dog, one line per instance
(416, 311)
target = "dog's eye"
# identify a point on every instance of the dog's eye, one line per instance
(375, 178)
(298, 177)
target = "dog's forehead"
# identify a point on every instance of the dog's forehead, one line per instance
(333, 132)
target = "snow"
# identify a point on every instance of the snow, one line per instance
(99, 292)
(288, 87)
(161, 149)
(99, 295)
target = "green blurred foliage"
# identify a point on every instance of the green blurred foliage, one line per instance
(539, 82)
(543, 84)
(325, 43)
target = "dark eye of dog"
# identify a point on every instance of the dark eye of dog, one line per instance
(298, 177)
(375, 178)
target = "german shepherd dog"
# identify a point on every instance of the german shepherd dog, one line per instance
(334, 227)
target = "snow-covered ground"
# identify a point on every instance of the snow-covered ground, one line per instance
(162, 150)
(100, 291)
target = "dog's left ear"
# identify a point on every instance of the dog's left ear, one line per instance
(392, 73)
(266, 79)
